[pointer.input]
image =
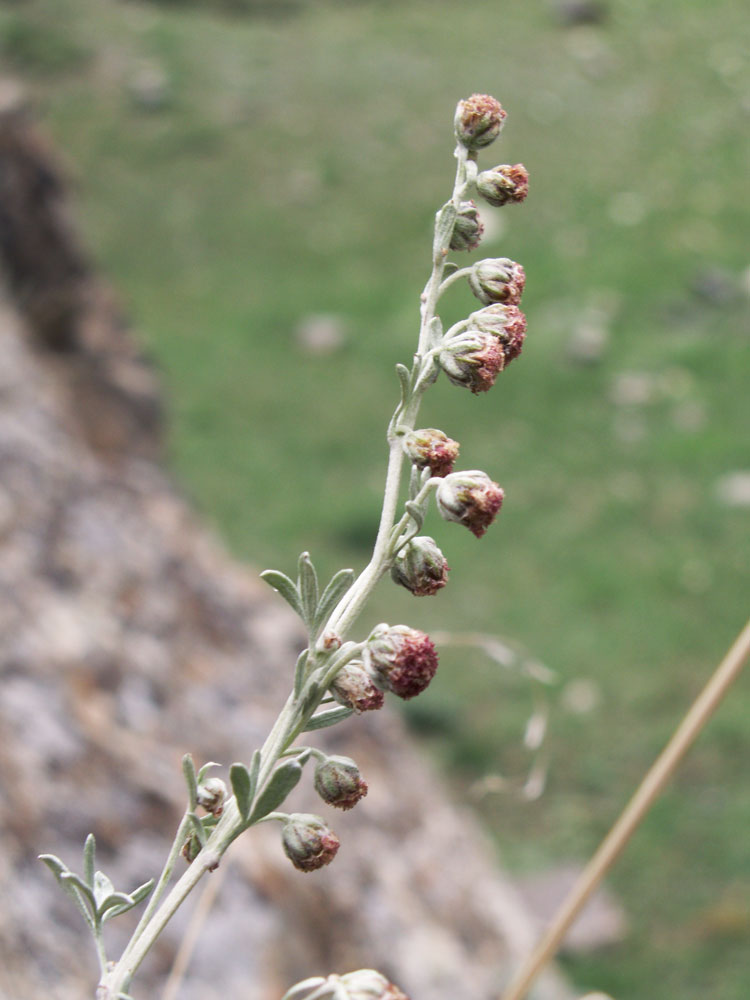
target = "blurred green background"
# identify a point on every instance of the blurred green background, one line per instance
(246, 168)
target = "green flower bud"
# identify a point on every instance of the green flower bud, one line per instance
(504, 185)
(497, 279)
(478, 121)
(339, 783)
(308, 842)
(471, 499)
(211, 795)
(467, 229)
(420, 566)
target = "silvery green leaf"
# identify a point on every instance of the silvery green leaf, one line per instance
(281, 782)
(103, 888)
(188, 770)
(242, 788)
(287, 589)
(198, 830)
(89, 860)
(254, 771)
(55, 865)
(78, 897)
(307, 585)
(71, 879)
(450, 267)
(299, 672)
(404, 377)
(119, 901)
(416, 513)
(445, 220)
(335, 590)
(328, 717)
(205, 769)
(142, 891)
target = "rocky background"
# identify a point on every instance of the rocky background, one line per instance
(128, 637)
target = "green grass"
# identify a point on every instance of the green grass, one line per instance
(293, 167)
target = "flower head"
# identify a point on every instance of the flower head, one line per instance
(506, 322)
(431, 448)
(420, 566)
(498, 279)
(308, 842)
(473, 359)
(338, 782)
(367, 984)
(471, 499)
(467, 229)
(478, 120)
(211, 795)
(504, 185)
(401, 659)
(355, 688)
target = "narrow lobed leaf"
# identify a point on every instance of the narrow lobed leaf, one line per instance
(242, 788)
(103, 887)
(55, 865)
(285, 587)
(188, 770)
(142, 891)
(307, 586)
(337, 587)
(328, 717)
(71, 879)
(201, 776)
(198, 829)
(120, 901)
(281, 782)
(299, 672)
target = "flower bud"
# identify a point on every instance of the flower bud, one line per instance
(191, 849)
(473, 359)
(505, 322)
(338, 782)
(308, 842)
(211, 795)
(471, 499)
(467, 229)
(497, 279)
(354, 688)
(478, 121)
(367, 984)
(429, 448)
(420, 566)
(401, 659)
(503, 185)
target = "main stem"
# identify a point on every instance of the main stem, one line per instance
(648, 791)
(286, 727)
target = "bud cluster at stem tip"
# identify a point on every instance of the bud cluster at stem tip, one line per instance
(478, 121)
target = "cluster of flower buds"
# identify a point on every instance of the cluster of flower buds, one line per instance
(504, 322)
(471, 499)
(211, 795)
(420, 566)
(497, 279)
(400, 659)
(354, 688)
(478, 121)
(338, 782)
(429, 448)
(364, 984)
(472, 359)
(308, 842)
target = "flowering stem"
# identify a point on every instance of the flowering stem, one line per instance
(648, 791)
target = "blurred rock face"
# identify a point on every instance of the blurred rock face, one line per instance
(128, 637)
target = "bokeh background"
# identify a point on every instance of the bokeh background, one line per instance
(259, 180)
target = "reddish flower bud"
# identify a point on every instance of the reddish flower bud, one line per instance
(420, 566)
(467, 229)
(478, 121)
(308, 842)
(498, 279)
(507, 323)
(471, 499)
(211, 795)
(473, 359)
(401, 659)
(504, 185)
(354, 688)
(430, 448)
(338, 782)
(367, 984)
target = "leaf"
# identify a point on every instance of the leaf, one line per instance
(78, 898)
(445, 220)
(102, 888)
(120, 901)
(55, 865)
(280, 784)
(254, 771)
(242, 788)
(89, 860)
(71, 879)
(188, 770)
(287, 589)
(450, 267)
(328, 717)
(299, 672)
(142, 891)
(415, 512)
(404, 377)
(201, 776)
(198, 829)
(335, 590)
(307, 585)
